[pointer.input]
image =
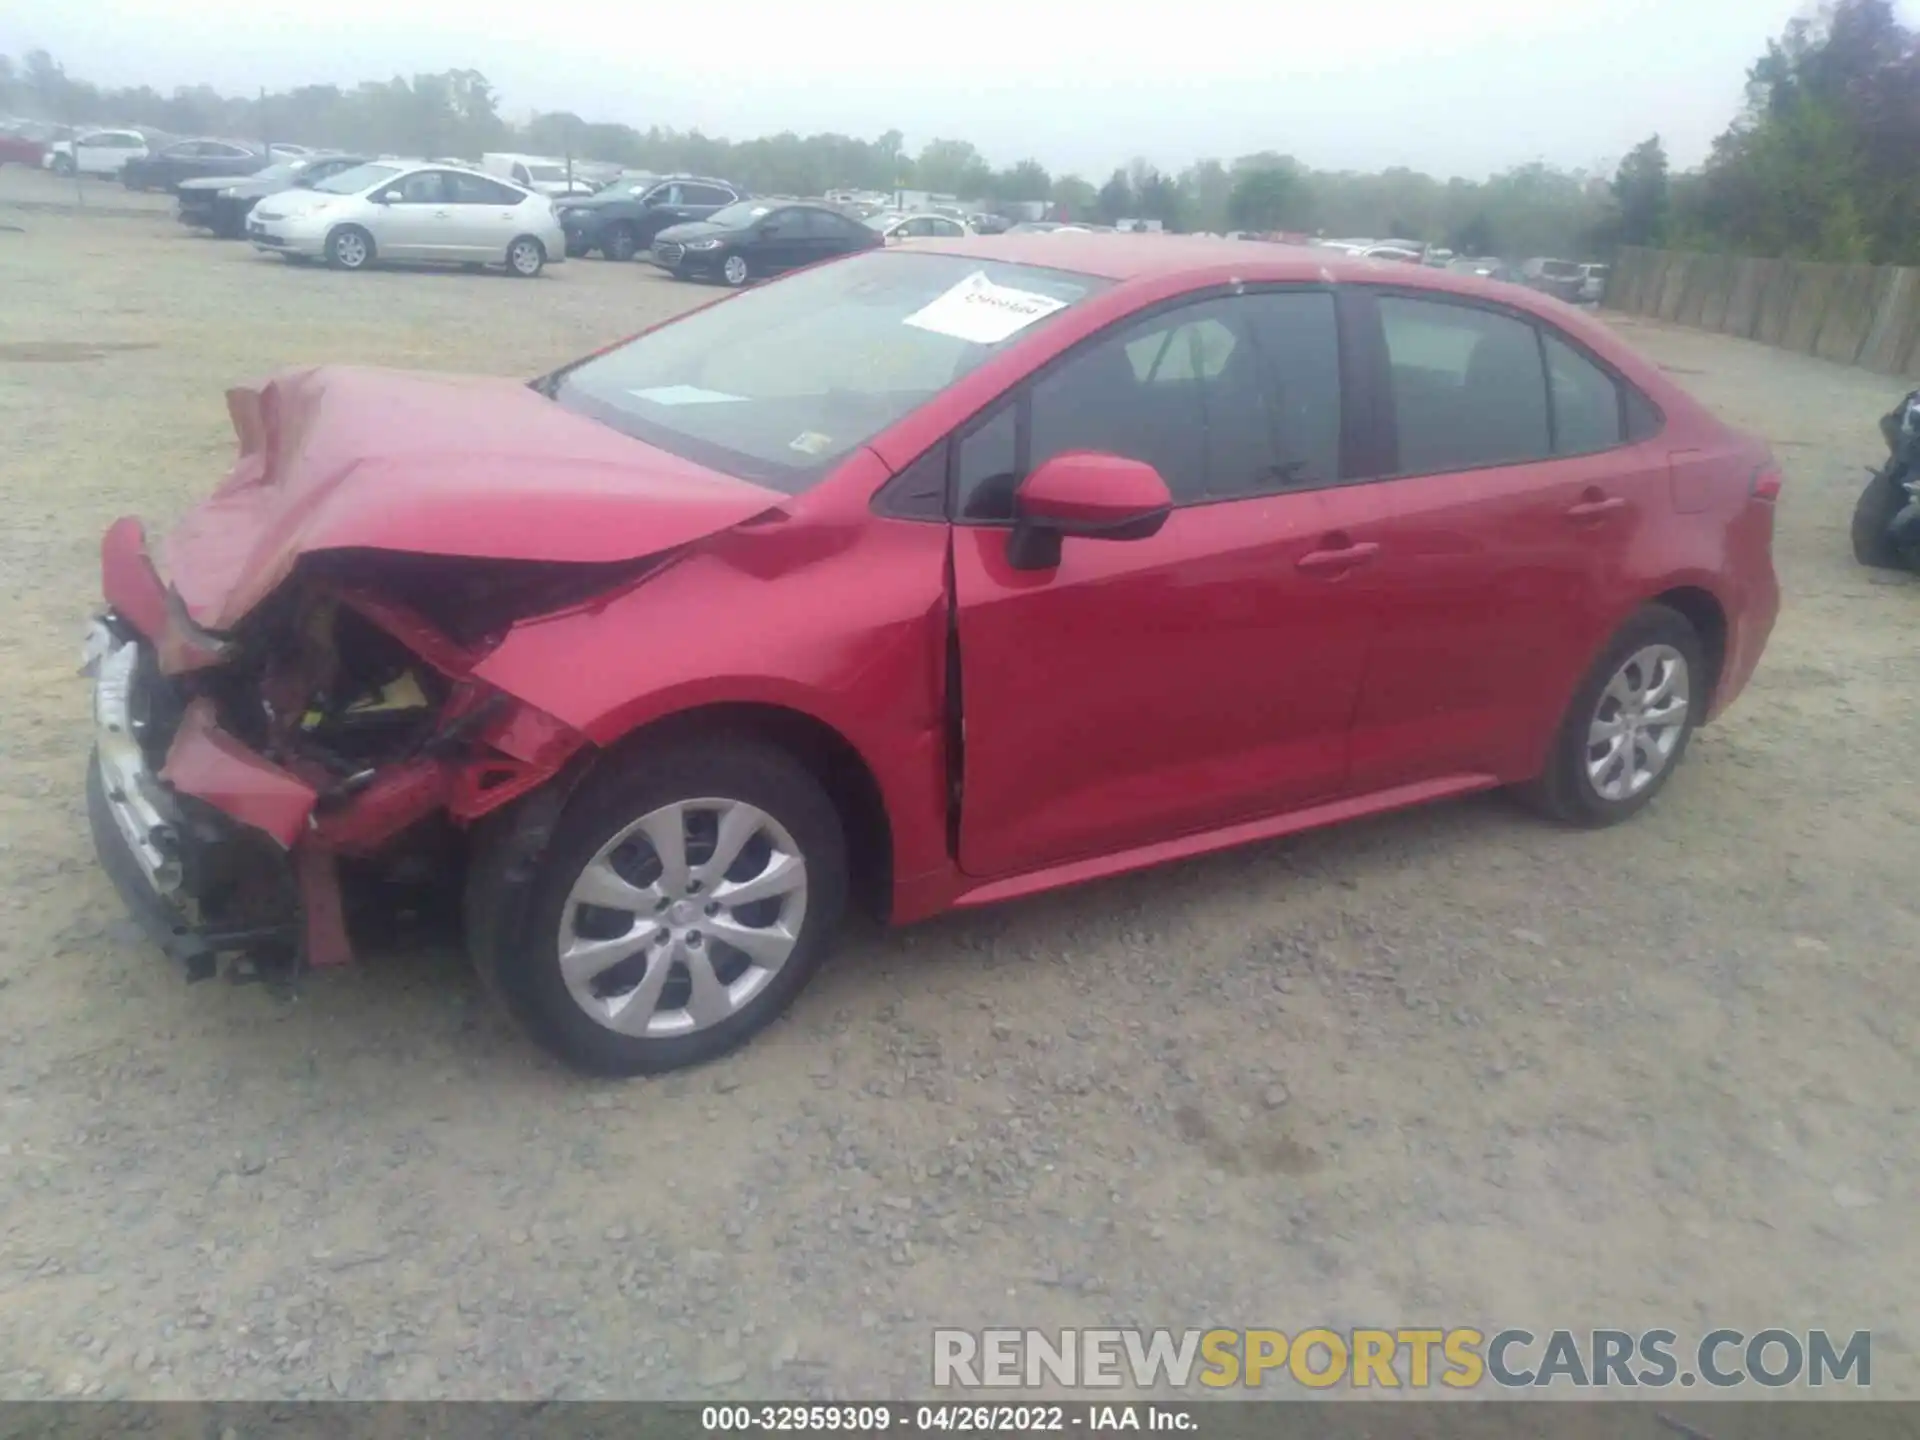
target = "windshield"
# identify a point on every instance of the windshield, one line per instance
(273, 174)
(1560, 269)
(628, 185)
(780, 382)
(546, 174)
(360, 177)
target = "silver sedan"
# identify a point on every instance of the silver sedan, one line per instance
(411, 212)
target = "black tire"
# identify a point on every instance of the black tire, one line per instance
(524, 970)
(622, 243)
(526, 258)
(1878, 504)
(1566, 792)
(343, 254)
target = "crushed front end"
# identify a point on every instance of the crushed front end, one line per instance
(234, 774)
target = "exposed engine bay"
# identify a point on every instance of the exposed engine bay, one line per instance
(338, 730)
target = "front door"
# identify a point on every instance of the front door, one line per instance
(418, 223)
(1146, 689)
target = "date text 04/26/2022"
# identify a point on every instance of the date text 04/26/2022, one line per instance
(953, 1417)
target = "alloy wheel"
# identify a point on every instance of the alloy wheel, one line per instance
(350, 250)
(525, 257)
(1638, 722)
(682, 918)
(735, 270)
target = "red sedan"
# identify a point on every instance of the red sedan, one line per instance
(924, 578)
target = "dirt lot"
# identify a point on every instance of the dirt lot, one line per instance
(1452, 1067)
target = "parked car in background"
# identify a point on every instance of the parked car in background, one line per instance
(908, 227)
(1562, 279)
(192, 160)
(621, 224)
(707, 627)
(542, 174)
(1036, 227)
(223, 203)
(988, 223)
(95, 152)
(411, 213)
(20, 146)
(1487, 267)
(755, 238)
(1593, 287)
(1398, 254)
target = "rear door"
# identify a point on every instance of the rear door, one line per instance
(485, 216)
(1496, 534)
(699, 201)
(781, 240)
(1146, 689)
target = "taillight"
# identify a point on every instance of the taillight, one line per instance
(1765, 485)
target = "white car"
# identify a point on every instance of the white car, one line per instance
(909, 227)
(1593, 283)
(411, 212)
(95, 152)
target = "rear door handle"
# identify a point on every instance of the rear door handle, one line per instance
(1337, 560)
(1596, 509)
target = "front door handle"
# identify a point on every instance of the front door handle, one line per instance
(1597, 508)
(1338, 559)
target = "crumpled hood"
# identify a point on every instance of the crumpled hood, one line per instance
(346, 458)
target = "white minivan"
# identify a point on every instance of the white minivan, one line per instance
(95, 152)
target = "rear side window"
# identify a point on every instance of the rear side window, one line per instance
(1468, 386)
(705, 195)
(1586, 403)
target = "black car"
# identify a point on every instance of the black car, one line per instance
(192, 160)
(621, 220)
(759, 237)
(221, 204)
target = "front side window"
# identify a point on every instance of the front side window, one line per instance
(780, 382)
(1468, 386)
(424, 187)
(705, 195)
(1226, 398)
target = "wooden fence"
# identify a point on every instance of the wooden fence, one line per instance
(1856, 314)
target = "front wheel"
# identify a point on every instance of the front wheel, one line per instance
(686, 898)
(526, 257)
(1629, 723)
(350, 248)
(1872, 543)
(735, 271)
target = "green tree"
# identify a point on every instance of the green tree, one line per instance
(1268, 199)
(1115, 200)
(1074, 197)
(1641, 189)
(952, 167)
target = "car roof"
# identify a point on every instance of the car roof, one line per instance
(1125, 257)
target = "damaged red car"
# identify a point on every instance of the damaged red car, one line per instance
(929, 577)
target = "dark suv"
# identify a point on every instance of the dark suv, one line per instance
(621, 220)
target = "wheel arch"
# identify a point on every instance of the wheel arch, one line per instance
(833, 759)
(1702, 609)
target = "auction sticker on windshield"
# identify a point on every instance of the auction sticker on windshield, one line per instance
(981, 312)
(686, 395)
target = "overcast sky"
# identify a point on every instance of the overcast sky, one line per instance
(1449, 86)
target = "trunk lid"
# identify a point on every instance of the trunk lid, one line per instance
(343, 458)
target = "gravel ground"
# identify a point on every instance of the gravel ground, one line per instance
(1449, 1067)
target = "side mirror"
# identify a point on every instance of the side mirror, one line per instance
(387, 197)
(1090, 496)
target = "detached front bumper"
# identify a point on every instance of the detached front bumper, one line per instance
(171, 857)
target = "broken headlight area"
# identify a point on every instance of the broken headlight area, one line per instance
(345, 731)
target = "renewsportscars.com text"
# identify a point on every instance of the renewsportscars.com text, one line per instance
(1461, 1358)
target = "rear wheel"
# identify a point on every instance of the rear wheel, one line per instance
(1629, 723)
(687, 897)
(621, 243)
(350, 248)
(526, 257)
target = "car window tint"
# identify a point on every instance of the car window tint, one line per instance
(423, 187)
(478, 190)
(1586, 402)
(987, 468)
(705, 195)
(1182, 391)
(1467, 384)
(1297, 336)
(665, 195)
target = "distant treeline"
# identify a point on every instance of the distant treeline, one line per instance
(1823, 162)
